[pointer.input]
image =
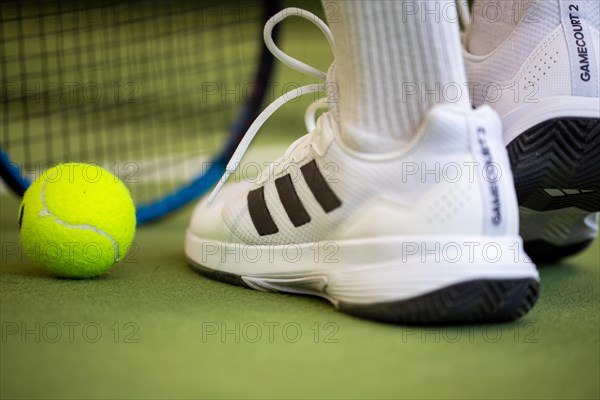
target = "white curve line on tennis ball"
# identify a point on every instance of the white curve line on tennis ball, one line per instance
(47, 212)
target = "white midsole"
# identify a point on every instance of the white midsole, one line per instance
(367, 270)
(526, 116)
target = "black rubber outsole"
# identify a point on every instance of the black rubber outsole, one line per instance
(542, 252)
(474, 301)
(556, 165)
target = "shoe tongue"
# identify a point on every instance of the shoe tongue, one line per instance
(333, 92)
(323, 136)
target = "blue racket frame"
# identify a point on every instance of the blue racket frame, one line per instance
(160, 207)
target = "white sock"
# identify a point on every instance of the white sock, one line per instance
(388, 54)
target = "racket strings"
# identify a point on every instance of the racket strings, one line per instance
(137, 88)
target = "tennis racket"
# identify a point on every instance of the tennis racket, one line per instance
(157, 92)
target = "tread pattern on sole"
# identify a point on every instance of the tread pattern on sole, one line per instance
(555, 156)
(466, 302)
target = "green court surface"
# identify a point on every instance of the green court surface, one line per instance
(154, 328)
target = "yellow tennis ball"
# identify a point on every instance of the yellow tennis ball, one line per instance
(77, 220)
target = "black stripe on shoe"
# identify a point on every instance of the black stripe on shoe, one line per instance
(319, 187)
(290, 201)
(259, 212)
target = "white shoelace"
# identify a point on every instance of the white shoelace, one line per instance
(292, 94)
(309, 117)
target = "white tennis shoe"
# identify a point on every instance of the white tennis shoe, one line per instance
(543, 82)
(428, 234)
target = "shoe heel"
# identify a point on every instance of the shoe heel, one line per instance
(556, 164)
(468, 302)
(426, 286)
